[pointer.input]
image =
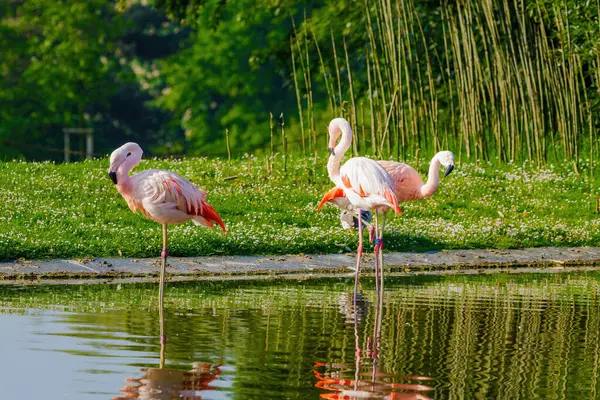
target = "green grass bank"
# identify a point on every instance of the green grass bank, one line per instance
(73, 210)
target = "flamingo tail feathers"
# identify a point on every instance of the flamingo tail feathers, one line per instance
(393, 200)
(330, 195)
(209, 216)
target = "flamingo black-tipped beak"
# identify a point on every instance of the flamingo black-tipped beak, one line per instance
(449, 169)
(113, 177)
(331, 151)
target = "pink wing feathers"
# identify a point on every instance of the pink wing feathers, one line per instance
(169, 198)
(407, 182)
(333, 195)
(367, 178)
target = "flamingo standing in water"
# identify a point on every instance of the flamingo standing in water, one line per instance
(162, 196)
(364, 183)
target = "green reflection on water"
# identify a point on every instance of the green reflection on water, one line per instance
(503, 336)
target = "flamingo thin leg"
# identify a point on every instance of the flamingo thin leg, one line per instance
(376, 253)
(357, 351)
(161, 289)
(381, 249)
(163, 344)
(358, 256)
(377, 333)
(378, 274)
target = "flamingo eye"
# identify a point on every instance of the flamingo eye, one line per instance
(128, 154)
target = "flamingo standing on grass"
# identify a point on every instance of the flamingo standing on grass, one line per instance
(364, 183)
(408, 185)
(162, 196)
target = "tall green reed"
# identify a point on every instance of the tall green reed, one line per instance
(490, 83)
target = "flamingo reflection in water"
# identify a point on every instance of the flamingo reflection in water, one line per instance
(336, 379)
(352, 311)
(167, 383)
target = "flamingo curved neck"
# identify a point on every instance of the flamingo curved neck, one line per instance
(433, 178)
(122, 176)
(124, 169)
(333, 164)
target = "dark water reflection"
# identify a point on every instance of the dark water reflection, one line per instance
(528, 336)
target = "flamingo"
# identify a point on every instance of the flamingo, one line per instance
(408, 185)
(363, 182)
(162, 196)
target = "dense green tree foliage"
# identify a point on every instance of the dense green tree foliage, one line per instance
(58, 65)
(232, 74)
(79, 64)
(494, 80)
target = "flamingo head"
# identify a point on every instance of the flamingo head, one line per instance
(336, 129)
(123, 159)
(334, 134)
(350, 221)
(446, 159)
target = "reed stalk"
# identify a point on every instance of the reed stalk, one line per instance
(228, 148)
(352, 114)
(337, 74)
(298, 97)
(311, 114)
(272, 155)
(330, 94)
(283, 142)
(496, 81)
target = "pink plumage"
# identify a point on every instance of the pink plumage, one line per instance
(370, 181)
(159, 195)
(408, 184)
(365, 185)
(162, 196)
(364, 182)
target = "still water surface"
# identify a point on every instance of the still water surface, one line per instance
(479, 337)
